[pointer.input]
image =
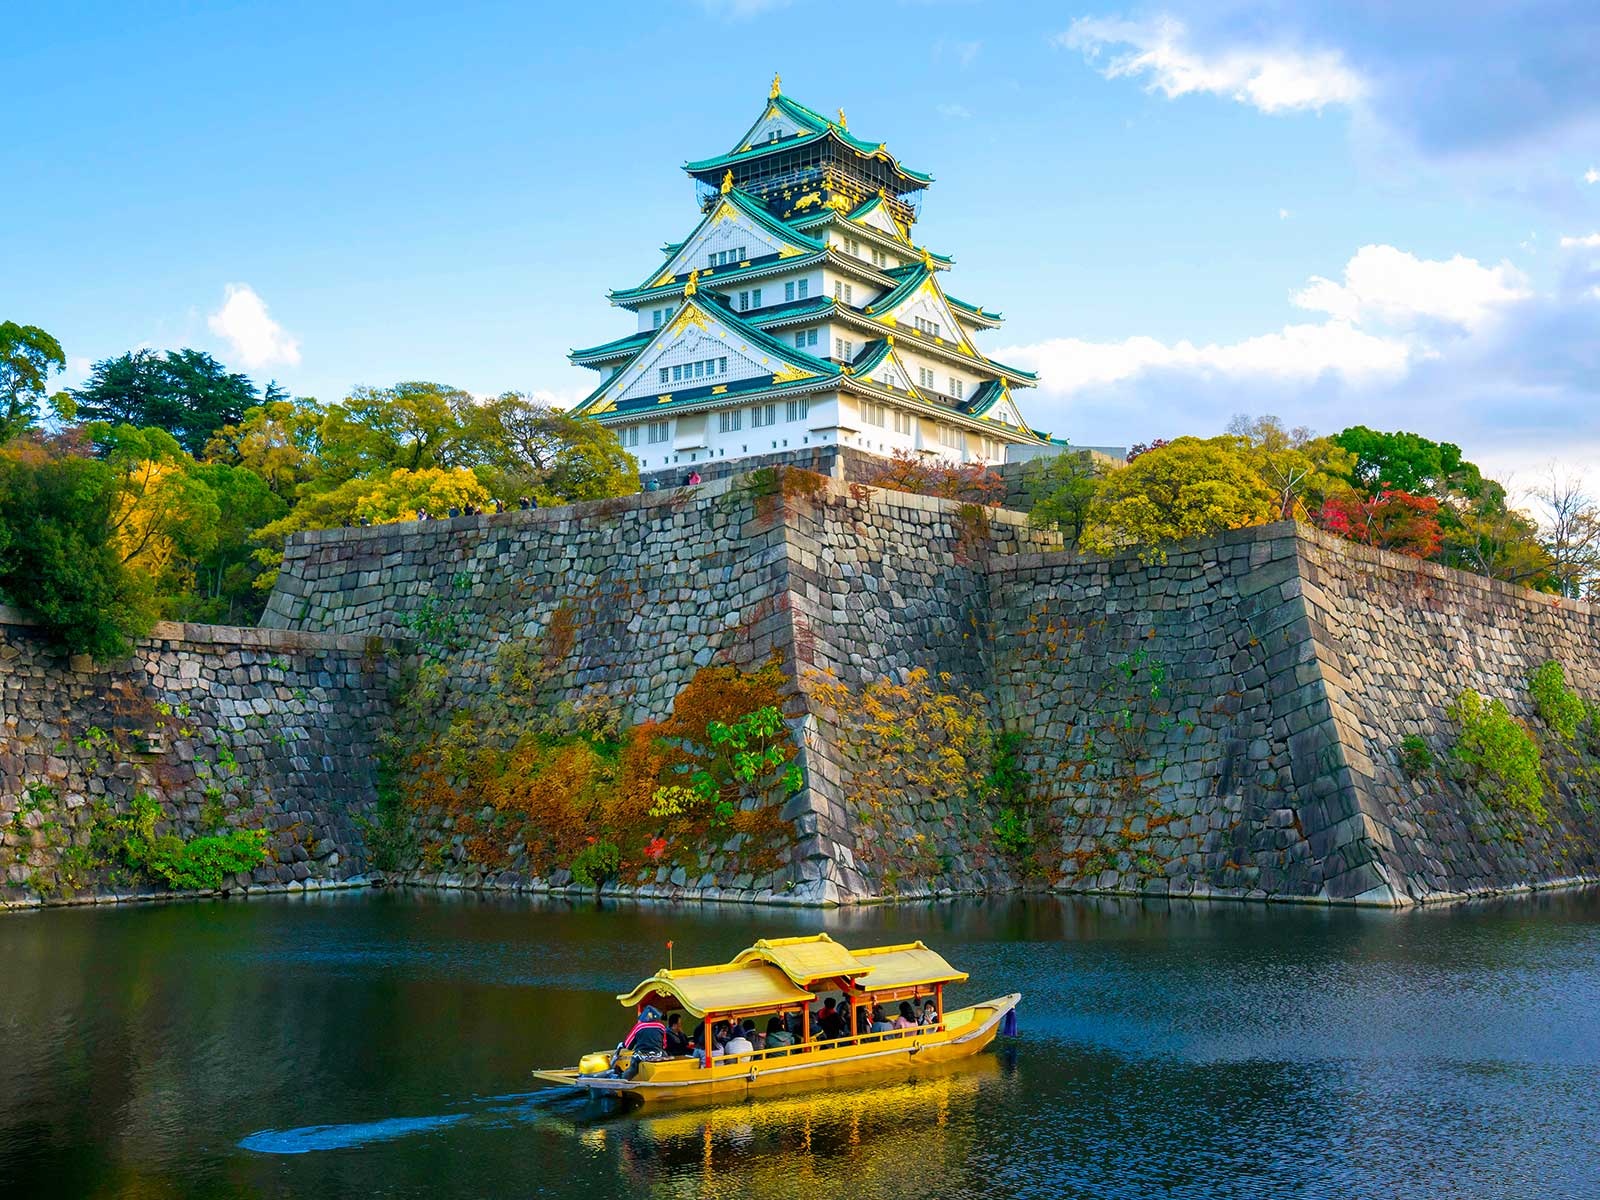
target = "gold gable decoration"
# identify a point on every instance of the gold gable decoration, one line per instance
(777, 82)
(792, 375)
(727, 182)
(688, 315)
(692, 284)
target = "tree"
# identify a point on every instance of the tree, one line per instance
(28, 355)
(529, 448)
(223, 574)
(1408, 462)
(279, 440)
(1391, 520)
(59, 561)
(1061, 490)
(1303, 470)
(1571, 533)
(1186, 488)
(187, 393)
(972, 483)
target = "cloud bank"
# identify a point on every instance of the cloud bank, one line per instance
(254, 338)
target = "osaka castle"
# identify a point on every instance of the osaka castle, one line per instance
(799, 312)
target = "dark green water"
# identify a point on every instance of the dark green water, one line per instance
(378, 1046)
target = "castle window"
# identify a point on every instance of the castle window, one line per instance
(762, 415)
(902, 421)
(730, 422)
(804, 338)
(656, 431)
(655, 318)
(873, 414)
(744, 301)
(629, 436)
(677, 374)
(796, 410)
(663, 374)
(788, 291)
(843, 349)
(843, 291)
(952, 437)
(925, 377)
(955, 387)
(804, 288)
(755, 298)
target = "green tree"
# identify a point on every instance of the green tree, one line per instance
(28, 356)
(224, 575)
(186, 392)
(1303, 470)
(1408, 462)
(1061, 490)
(60, 562)
(279, 439)
(1187, 488)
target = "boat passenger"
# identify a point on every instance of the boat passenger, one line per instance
(740, 1045)
(930, 1014)
(907, 1018)
(863, 1019)
(647, 1039)
(777, 1035)
(880, 1023)
(677, 1040)
(757, 1039)
(832, 1021)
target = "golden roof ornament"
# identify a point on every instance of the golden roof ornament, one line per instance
(843, 123)
(776, 81)
(927, 258)
(691, 285)
(727, 183)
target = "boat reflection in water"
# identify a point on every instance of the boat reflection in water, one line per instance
(856, 1137)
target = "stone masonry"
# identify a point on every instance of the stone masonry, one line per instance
(298, 713)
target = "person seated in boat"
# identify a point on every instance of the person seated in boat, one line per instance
(880, 1023)
(647, 1040)
(833, 1022)
(698, 1044)
(907, 1018)
(740, 1045)
(677, 1040)
(863, 1019)
(778, 1036)
(796, 1026)
(753, 1035)
(930, 1014)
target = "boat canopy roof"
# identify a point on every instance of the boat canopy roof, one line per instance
(910, 965)
(774, 973)
(729, 987)
(805, 959)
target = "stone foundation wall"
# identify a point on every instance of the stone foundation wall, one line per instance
(1228, 723)
(297, 716)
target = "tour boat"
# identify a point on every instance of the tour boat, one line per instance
(780, 977)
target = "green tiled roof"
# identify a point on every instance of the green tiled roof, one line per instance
(819, 128)
(622, 345)
(972, 308)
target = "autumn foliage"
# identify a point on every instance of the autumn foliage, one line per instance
(1391, 520)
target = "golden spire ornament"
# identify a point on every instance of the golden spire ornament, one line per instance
(727, 182)
(773, 94)
(843, 124)
(691, 285)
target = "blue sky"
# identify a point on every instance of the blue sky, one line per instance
(1185, 211)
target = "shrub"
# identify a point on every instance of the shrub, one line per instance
(596, 863)
(199, 864)
(1561, 708)
(1415, 757)
(1501, 753)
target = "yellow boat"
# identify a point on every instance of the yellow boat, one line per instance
(783, 978)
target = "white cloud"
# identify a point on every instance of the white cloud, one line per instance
(1588, 241)
(954, 110)
(1450, 348)
(1271, 78)
(1592, 175)
(1283, 214)
(1296, 353)
(1389, 286)
(255, 338)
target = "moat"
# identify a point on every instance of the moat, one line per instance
(378, 1044)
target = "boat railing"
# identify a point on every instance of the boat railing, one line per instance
(859, 1039)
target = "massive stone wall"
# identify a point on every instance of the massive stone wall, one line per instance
(829, 577)
(279, 727)
(1223, 723)
(1228, 722)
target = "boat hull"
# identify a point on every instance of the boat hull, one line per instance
(967, 1032)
